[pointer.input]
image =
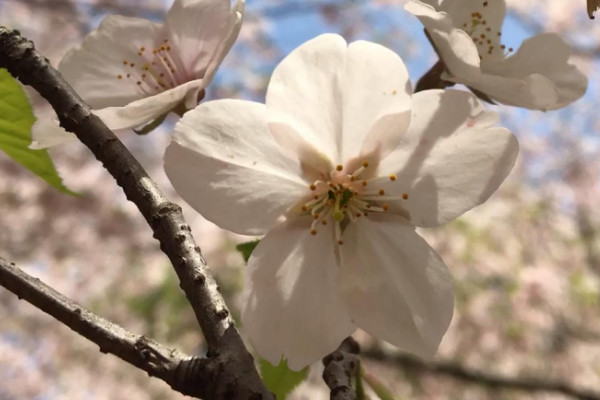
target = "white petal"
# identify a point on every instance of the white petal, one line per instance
(305, 93)
(547, 54)
(149, 108)
(224, 163)
(376, 100)
(292, 308)
(93, 68)
(47, 132)
(394, 285)
(198, 29)
(449, 161)
(455, 46)
(235, 25)
(534, 91)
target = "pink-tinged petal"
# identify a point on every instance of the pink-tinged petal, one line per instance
(455, 46)
(292, 307)
(235, 25)
(146, 109)
(375, 101)
(394, 285)
(224, 163)
(534, 91)
(198, 30)
(449, 161)
(546, 54)
(112, 50)
(47, 132)
(305, 93)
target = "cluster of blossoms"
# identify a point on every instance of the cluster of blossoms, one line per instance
(339, 165)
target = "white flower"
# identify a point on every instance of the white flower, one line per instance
(336, 169)
(133, 71)
(467, 36)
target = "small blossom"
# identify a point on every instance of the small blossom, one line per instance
(468, 37)
(337, 168)
(132, 71)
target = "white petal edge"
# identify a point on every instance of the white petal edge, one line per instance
(450, 160)
(455, 46)
(305, 93)
(223, 161)
(376, 88)
(292, 307)
(394, 284)
(47, 132)
(144, 110)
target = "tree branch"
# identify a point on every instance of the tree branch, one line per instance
(340, 367)
(459, 372)
(237, 376)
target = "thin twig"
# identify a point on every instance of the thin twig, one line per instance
(142, 352)
(457, 371)
(340, 367)
(236, 376)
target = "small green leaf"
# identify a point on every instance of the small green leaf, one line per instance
(247, 248)
(149, 127)
(358, 385)
(281, 380)
(16, 120)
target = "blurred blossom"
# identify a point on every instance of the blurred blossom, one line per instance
(133, 71)
(467, 37)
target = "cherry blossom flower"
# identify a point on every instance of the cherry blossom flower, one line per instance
(133, 71)
(468, 38)
(337, 169)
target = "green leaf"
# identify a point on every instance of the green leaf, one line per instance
(281, 380)
(16, 120)
(247, 248)
(358, 385)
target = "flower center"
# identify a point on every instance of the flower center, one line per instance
(487, 41)
(153, 71)
(342, 198)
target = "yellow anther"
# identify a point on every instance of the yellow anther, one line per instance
(352, 178)
(405, 196)
(385, 207)
(394, 91)
(324, 222)
(304, 208)
(365, 164)
(316, 216)
(313, 232)
(125, 62)
(381, 192)
(142, 48)
(339, 168)
(364, 183)
(120, 76)
(313, 186)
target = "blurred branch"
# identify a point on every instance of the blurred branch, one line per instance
(144, 353)
(236, 376)
(340, 367)
(459, 372)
